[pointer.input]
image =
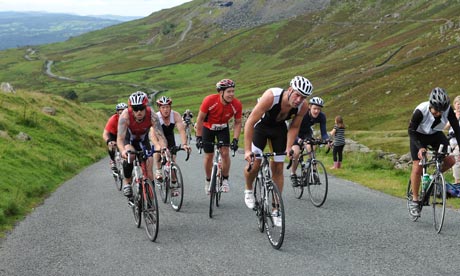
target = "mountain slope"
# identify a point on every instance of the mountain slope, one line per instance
(372, 61)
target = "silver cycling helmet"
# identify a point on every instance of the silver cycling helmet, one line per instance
(121, 106)
(302, 85)
(439, 99)
(317, 101)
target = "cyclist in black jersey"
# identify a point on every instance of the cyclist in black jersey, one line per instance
(267, 121)
(314, 116)
(425, 129)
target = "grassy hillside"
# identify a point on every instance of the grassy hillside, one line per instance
(59, 147)
(372, 61)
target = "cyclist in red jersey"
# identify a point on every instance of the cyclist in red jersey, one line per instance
(137, 125)
(110, 133)
(212, 122)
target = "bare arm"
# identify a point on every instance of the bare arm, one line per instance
(157, 131)
(123, 124)
(295, 125)
(199, 123)
(180, 127)
(265, 102)
(237, 128)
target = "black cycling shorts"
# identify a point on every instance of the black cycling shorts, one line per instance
(209, 137)
(433, 140)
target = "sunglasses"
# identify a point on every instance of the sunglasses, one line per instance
(138, 107)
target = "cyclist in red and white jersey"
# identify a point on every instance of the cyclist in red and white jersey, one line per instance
(110, 133)
(137, 125)
(212, 122)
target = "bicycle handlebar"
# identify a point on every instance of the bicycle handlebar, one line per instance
(218, 145)
(264, 155)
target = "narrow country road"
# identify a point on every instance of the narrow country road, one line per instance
(86, 228)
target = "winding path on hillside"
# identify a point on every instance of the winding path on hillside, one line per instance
(49, 63)
(86, 228)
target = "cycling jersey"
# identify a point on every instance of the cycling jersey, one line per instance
(425, 129)
(138, 131)
(112, 124)
(218, 114)
(168, 130)
(270, 118)
(306, 130)
(273, 128)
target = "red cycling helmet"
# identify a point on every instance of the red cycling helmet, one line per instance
(224, 84)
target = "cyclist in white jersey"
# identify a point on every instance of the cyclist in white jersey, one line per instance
(426, 129)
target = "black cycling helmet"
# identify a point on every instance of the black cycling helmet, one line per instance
(439, 99)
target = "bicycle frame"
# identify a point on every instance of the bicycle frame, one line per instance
(436, 190)
(268, 201)
(215, 188)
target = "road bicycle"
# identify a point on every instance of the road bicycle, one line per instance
(170, 170)
(268, 201)
(215, 187)
(313, 173)
(435, 193)
(117, 172)
(144, 201)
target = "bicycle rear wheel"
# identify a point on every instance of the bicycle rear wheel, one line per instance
(409, 198)
(298, 191)
(274, 216)
(151, 215)
(176, 195)
(218, 189)
(317, 183)
(212, 189)
(163, 186)
(137, 205)
(438, 201)
(259, 204)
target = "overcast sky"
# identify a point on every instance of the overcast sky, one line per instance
(91, 7)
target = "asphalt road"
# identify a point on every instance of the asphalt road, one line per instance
(86, 228)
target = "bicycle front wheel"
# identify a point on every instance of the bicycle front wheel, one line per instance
(163, 186)
(274, 215)
(317, 183)
(137, 206)
(177, 189)
(151, 215)
(438, 201)
(212, 189)
(259, 204)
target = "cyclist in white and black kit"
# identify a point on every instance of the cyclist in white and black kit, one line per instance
(314, 116)
(267, 121)
(426, 129)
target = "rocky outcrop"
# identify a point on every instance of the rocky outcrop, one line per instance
(7, 87)
(248, 13)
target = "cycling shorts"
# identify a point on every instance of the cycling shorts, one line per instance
(277, 136)
(433, 140)
(209, 137)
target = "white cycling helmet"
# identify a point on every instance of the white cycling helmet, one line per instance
(302, 85)
(317, 101)
(138, 98)
(439, 99)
